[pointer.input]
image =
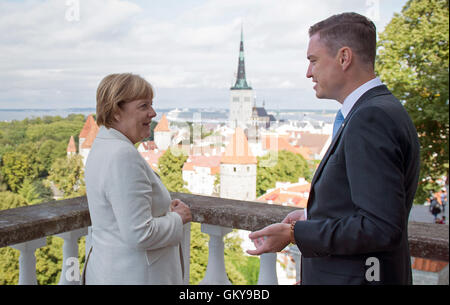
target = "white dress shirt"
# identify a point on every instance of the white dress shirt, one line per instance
(353, 97)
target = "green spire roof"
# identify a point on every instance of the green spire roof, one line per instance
(241, 81)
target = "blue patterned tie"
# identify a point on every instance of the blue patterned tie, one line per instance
(337, 122)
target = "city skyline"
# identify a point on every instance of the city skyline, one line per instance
(54, 53)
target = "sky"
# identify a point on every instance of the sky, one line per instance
(54, 53)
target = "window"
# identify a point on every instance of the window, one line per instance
(235, 98)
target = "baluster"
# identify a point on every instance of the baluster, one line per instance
(27, 260)
(296, 254)
(70, 273)
(215, 271)
(268, 269)
(88, 243)
(186, 247)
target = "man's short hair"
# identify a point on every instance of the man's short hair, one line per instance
(116, 89)
(348, 30)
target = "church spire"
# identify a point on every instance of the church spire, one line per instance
(241, 81)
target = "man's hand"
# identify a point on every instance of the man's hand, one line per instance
(273, 238)
(294, 216)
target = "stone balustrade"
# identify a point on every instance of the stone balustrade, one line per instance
(25, 229)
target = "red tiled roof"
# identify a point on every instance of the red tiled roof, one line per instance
(213, 162)
(279, 143)
(428, 265)
(90, 136)
(295, 195)
(315, 142)
(299, 188)
(89, 132)
(238, 150)
(71, 147)
(152, 158)
(87, 126)
(163, 124)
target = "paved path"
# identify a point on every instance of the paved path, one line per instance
(421, 213)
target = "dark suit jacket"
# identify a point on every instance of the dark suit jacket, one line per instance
(361, 196)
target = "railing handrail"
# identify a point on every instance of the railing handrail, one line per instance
(36, 221)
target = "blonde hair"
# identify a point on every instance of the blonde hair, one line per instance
(116, 89)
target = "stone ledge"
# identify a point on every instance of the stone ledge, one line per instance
(46, 219)
(40, 220)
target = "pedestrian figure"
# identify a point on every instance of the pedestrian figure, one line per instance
(435, 209)
(443, 200)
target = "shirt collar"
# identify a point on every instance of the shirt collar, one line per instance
(353, 97)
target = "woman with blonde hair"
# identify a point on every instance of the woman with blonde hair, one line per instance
(136, 227)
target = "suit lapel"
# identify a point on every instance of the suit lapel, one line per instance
(379, 90)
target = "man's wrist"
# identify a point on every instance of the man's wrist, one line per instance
(292, 236)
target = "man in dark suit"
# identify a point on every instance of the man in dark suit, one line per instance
(354, 230)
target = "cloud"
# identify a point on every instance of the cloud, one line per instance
(48, 58)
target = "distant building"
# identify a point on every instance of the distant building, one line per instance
(87, 136)
(317, 144)
(288, 194)
(260, 121)
(71, 147)
(241, 95)
(199, 172)
(162, 134)
(305, 126)
(238, 169)
(275, 142)
(152, 157)
(260, 118)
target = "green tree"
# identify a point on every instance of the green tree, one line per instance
(241, 270)
(283, 166)
(48, 151)
(9, 257)
(3, 186)
(67, 174)
(15, 168)
(29, 192)
(413, 57)
(58, 131)
(10, 200)
(45, 193)
(170, 167)
(49, 261)
(198, 255)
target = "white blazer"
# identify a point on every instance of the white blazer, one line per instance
(135, 238)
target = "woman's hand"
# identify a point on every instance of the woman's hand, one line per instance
(294, 216)
(182, 209)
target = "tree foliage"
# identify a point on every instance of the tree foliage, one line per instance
(10, 200)
(67, 174)
(283, 166)
(49, 261)
(237, 266)
(29, 191)
(413, 57)
(16, 166)
(170, 167)
(28, 149)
